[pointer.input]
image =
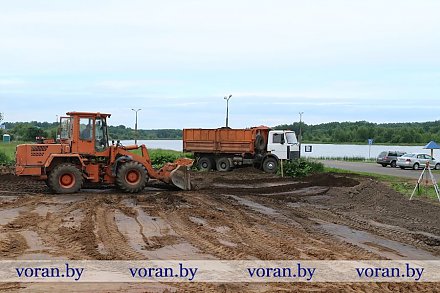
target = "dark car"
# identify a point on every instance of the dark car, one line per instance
(389, 158)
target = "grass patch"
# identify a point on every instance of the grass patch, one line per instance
(7, 153)
(407, 188)
(302, 167)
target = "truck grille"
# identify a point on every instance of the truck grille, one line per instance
(293, 155)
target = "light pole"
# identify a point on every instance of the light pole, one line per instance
(136, 125)
(300, 133)
(227, 108)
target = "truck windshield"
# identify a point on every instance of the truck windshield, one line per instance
(291, 137)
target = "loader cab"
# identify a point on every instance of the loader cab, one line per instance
(86, 132)
(283, 144)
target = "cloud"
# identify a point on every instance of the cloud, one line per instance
(177, 59)
(10, 82)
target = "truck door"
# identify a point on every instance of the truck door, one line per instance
(277, 144)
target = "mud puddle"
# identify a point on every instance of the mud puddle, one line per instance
(67, 199)
(254, 205)
(8, 198)
(10, 214)
(251, 186)
(381, 246)
(154, 238)
(307, 191)
(184, 251)
(198, 221)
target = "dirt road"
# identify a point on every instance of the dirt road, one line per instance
(244, 214)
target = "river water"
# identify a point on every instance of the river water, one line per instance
(318, 150)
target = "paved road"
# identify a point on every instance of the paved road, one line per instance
(376, 168)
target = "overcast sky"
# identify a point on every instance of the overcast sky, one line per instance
(333, 60)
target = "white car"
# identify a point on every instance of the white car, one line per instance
(417, 160)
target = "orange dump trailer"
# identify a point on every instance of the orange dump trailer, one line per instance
(225, 148)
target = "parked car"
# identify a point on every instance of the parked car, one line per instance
(417, 160)
(389, 158)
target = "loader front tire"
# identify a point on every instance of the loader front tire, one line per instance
(132, 177)
(65, 178)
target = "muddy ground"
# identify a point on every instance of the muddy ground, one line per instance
(244, 214)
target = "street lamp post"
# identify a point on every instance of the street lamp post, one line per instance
(227, 108)
(300, 132)
(136, 126)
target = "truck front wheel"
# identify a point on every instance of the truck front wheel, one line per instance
(270, 165)
(223, 164)
(132, 177)
(65, 178)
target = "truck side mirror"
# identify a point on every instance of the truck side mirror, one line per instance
(282, 140)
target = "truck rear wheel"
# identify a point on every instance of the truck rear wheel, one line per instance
(270, 165)
(223, 164)
(204, 164)
(132, 177)
(65, 178)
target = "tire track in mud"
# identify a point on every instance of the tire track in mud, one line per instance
(306, 242)
(112, 239)
(258, 236)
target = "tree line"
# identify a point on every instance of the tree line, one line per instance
(333, 132)
(361, 131)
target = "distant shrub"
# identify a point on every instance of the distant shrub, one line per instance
(4, 159)
(161, 157)
(302, 168)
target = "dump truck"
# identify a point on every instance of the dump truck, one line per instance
(225, 148)
(82, 153)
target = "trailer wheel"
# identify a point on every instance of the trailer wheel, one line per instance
(204, 164)
(223, 164)
(65, 178)
(270, 165)
(132, 177)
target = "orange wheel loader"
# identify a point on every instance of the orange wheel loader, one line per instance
(82, 153)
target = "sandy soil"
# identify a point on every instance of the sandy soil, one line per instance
(244, 214)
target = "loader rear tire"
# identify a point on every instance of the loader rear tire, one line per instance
(132, 177)
(65, 178)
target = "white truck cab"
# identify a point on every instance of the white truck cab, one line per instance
(283, 144)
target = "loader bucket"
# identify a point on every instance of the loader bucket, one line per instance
(180, 177)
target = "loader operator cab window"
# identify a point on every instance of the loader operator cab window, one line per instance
(85, 128)
(101, 141)
(65, 128)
